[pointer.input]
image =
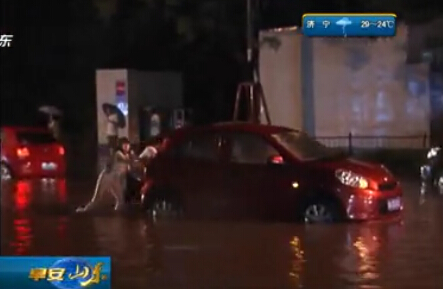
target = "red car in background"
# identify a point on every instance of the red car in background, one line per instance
(244, 170)
(31, 152)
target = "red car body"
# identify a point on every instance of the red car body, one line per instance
(279, 173)
(31, 152)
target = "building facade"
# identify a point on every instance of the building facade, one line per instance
(334, 87)
(425, 45)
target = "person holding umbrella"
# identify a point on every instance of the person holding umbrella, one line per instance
(54, 126)
(115, 119)
(54, 115)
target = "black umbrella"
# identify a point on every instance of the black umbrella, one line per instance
(112, 109)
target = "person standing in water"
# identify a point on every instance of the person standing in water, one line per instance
(112, 130)
(114, 180)
(149, 153)
(122, 163)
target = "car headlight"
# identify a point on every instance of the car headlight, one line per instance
(433, 152)
(349, 178)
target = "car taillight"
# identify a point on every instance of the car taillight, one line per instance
(23, 152)
(277, 160)
(61, 150)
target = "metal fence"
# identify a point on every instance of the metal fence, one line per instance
(352, 142)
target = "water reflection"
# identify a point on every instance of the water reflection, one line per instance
(429, 191)
(346, 256)
(53, 189)
(62, 224)
(61, 191)
(22, 226)
(297, 260)
(185, 254)
(23, 236)
(129, 238)
(367, 247)
(22, 195)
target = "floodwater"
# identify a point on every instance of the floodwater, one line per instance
(38, 218)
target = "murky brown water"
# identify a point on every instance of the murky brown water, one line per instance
(38, 219)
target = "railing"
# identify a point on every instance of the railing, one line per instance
(352, 142)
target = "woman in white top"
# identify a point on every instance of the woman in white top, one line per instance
(114, 180)
(112, 131)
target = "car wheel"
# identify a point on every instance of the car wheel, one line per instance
(320, 212)
(6, 172)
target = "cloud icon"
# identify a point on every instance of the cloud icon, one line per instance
(344, 22)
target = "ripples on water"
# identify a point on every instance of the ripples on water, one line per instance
(38, 219)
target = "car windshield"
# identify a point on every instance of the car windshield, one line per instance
(35, 138)
(303, 147)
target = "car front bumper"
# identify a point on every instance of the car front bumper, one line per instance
(363, 205)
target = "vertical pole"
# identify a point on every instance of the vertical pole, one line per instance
(249, 38)
(350, 148)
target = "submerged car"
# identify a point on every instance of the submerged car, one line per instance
(31, 152)
(432, 170)
(243, 170)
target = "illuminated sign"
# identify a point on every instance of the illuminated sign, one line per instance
(120, 87)
(120, 93)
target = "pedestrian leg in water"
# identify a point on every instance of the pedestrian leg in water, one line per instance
(103, 184)
(118, 189)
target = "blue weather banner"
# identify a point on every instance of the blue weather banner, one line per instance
(55, 272)
(349, 25)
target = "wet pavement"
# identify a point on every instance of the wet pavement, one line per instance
(38, 218)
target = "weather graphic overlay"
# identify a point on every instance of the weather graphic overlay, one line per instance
(349, 25)
(55, 272)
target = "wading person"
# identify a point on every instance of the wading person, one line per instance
(147, 155)
(112, 130)
(114, 180)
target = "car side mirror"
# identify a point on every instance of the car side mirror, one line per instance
(276, 160)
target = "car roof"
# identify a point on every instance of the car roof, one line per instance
(245, 127)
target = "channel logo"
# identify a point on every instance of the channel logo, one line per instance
(55, 272)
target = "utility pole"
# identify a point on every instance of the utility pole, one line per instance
(250, 41)
(251, 88)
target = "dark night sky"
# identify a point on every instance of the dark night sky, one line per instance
(59, 44)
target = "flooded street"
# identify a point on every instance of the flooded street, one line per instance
(38, 218)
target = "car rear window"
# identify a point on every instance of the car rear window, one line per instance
(35, 138)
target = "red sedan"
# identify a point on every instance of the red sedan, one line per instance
(30, 152)
(241, 170)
